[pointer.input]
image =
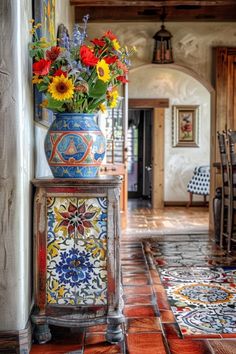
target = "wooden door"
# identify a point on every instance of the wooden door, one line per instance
(225, 85)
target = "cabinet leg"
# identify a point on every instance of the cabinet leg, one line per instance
(114, 329)
(42, 333)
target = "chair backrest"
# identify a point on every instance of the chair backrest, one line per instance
(232, 142)
(232, 165)
(224, 163)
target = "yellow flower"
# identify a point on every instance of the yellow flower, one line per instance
(102, 107)
(31, 21)
(116, 44)
(44, 104)
(43, 43)
(36, 80)
(103, 70)
(61, 88)
(113, 97)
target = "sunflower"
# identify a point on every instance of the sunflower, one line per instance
(116, 44)
(103, 70)
(61, 88)
(102, 107)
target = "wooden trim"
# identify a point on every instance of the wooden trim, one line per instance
(153, 3)
(148, 102)
(158, 158)
(184, 204)
(16, 341)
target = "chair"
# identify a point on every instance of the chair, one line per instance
(199, 183)
(225, 230)
(232, 189)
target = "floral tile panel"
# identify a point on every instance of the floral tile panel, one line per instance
(77, 251)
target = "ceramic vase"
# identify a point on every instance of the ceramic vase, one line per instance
(74, 146)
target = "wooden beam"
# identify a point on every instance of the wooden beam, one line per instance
(148, 103)
(154, 3)
(149, 14)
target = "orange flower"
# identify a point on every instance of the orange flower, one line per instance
(122, 66)
(110, 35)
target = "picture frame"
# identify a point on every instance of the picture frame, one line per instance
(185, 125)
(44, 13)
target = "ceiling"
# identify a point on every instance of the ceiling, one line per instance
(153, 11)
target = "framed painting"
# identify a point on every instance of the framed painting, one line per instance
(44, 13)
(185, 126)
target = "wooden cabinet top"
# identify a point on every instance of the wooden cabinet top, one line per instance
(103, 181)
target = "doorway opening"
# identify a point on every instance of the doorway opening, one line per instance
(139, 140)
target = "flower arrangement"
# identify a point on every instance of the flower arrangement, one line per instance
(75, 76)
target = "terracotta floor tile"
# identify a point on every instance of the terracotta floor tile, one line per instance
(151, 324)
(139, 311)
(223, 346)
(162, 302)
(145, 343)
(97, 329)
(167, 316)
(186, 346)
(137, 280)
(138, 299)
(172, 330)
(53, 348)
(147, 289)
(96, 344)
(155, 277)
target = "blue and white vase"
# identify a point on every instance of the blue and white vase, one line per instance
(75, 146)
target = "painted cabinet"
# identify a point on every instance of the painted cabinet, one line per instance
(76, 255)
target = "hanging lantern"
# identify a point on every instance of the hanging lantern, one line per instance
(162, 50)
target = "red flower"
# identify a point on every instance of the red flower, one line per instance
(87, 56)
(110, 35)
(41, 67)
(53, 53)
(122, 79)
(98, 42)
(110, 60)
(60, 72)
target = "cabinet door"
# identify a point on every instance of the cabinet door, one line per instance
(76, 251)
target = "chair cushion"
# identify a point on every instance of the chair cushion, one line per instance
(200, 182)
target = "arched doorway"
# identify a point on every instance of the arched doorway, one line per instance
(181, 86)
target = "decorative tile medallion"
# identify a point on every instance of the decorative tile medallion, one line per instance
(201, 294)
(76, 251)
(221, 319)
(200, 284)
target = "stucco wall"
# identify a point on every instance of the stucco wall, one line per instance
(64, 14)
(16, 170)
(153, 81)
(192, 42)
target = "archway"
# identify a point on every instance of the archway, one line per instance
(182, 86)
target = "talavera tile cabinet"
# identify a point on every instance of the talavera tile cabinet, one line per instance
(76, 255)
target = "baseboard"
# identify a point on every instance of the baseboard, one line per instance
(185, 204)
(16, 342)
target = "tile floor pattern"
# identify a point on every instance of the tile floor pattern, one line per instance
(151, 326)
(202, 299)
